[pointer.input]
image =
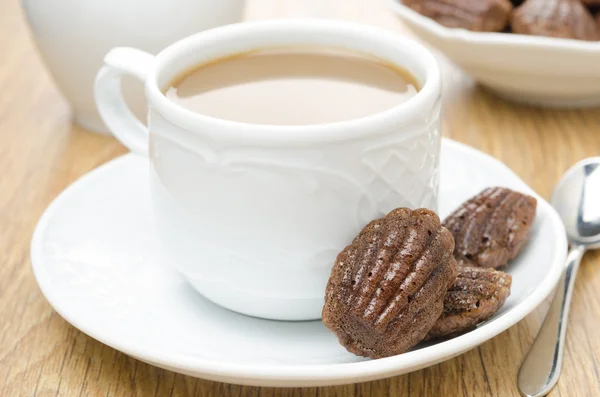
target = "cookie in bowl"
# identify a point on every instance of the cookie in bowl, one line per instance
(555, 18)
(571, 19)
(475, 15)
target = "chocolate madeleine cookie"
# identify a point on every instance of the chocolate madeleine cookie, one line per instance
(555, 18)
(475, 15)
(387, 288)
(474, 297)
(491, 228)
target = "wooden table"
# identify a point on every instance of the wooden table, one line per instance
(41, 153)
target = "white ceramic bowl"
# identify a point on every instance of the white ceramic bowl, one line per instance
(529, 69)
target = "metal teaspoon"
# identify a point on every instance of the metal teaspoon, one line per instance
(576, 198)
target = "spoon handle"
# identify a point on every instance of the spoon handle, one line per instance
(541, 368)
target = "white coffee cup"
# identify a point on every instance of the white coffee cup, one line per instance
(254, 215)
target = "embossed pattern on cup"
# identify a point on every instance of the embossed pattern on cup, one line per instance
(266, 223)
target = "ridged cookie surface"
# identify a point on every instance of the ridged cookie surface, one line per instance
(476, 295)
(475, 15)
(387, 288)
(555, 18)
(491, 228)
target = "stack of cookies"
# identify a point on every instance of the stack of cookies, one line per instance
(407, 277)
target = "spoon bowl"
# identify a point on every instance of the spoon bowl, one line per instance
(576, 198)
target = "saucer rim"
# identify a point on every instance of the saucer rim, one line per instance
(308, 374)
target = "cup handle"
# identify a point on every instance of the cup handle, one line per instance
(109, 97)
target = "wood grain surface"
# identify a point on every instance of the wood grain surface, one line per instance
(41, 153)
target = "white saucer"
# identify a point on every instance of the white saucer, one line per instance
(93, 254)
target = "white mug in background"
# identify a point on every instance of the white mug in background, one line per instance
(74, 35)
(254, 215)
